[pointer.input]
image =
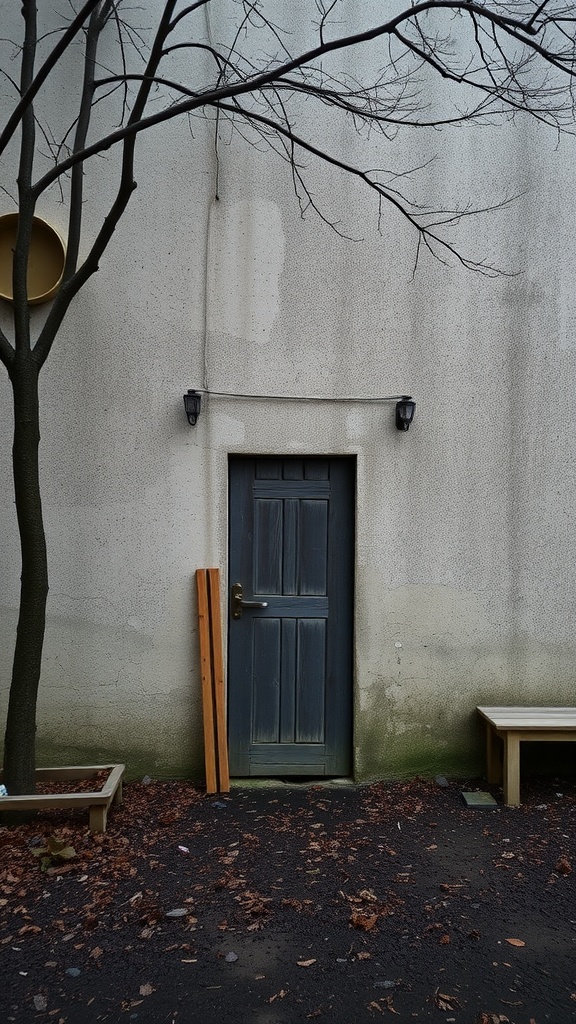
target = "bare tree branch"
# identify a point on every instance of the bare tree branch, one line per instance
(427, 236)
(126, 186)
(26, 200)
(509, 93)
(48, 65)
(95, 25)
(7, 354)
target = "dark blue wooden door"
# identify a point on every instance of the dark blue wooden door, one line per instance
(290, 662)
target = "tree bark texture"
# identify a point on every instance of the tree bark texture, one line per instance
(19, 743)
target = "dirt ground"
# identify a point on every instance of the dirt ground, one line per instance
(292, 904)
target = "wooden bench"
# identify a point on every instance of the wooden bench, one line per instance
(516, 725)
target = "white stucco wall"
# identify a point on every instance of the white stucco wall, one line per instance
(464, 581)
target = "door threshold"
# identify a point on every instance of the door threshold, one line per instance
(285, 782)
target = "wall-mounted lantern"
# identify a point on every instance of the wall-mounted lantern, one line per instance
(405, 405)
(192, 404)
(405, 412)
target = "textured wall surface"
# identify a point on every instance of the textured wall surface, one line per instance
(464, 526)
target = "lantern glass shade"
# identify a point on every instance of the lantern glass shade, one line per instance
(192, 403)
(404, 413)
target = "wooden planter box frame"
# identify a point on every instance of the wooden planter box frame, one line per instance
(97, 802)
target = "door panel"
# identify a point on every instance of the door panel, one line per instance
(313, 554)
(290, 663)
(266, 680)
(310, 681)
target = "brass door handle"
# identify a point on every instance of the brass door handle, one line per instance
(238, 603)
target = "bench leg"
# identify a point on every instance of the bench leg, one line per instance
(117, 798)
(493, 762)
(98, 814)
(512, 768)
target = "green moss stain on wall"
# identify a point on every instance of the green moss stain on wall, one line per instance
(381, 753)
(139, 761)
(433, 654)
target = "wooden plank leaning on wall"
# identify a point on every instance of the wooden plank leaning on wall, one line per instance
(212, 675)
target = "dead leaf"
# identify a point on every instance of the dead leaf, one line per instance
(363, 955)
(445, 1002)
(387, 1002)
(230, 858)
(283, 992)
(299, 905)
(305, 963)
(515, 942)
(365, 922)
(384, 1004)
(444, 940)
(146, 990)
(351, 899)
(368, 895)
(563, 866)
(96, 952)
(61, 869)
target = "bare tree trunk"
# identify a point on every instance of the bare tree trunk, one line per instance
(19, 743)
